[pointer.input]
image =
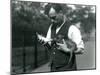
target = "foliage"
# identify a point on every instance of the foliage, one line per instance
(29, 17)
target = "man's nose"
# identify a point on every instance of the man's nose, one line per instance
(52, 20)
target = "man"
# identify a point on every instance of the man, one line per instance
(59, 35)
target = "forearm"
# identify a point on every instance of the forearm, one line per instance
(67, 50)
(69, 47)
(79, 51)
(75, 50)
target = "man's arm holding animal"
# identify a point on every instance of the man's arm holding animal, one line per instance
(75, 35)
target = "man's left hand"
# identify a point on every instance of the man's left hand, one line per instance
(63, 46)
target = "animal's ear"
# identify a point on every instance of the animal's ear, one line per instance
(64, 41)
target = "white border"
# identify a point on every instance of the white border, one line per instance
(5, 37)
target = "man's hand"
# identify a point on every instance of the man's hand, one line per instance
(63, 46)
(42, 39)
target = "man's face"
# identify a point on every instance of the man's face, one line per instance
(56, 18)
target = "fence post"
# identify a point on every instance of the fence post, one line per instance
(24, 54)
(46, 54)
(35, 51)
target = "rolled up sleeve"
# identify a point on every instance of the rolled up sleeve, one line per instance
(75, 35)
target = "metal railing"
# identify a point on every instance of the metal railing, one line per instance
(27, 58)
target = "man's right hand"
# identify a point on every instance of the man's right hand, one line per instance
(43, 40)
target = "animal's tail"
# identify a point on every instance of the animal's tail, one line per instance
(71, 55)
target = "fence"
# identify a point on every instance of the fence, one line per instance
(26, 58)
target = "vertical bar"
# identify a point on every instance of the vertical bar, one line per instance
(24, 54)
(46, 54)
(35, 51)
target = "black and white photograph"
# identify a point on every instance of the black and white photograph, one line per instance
(52, 37)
